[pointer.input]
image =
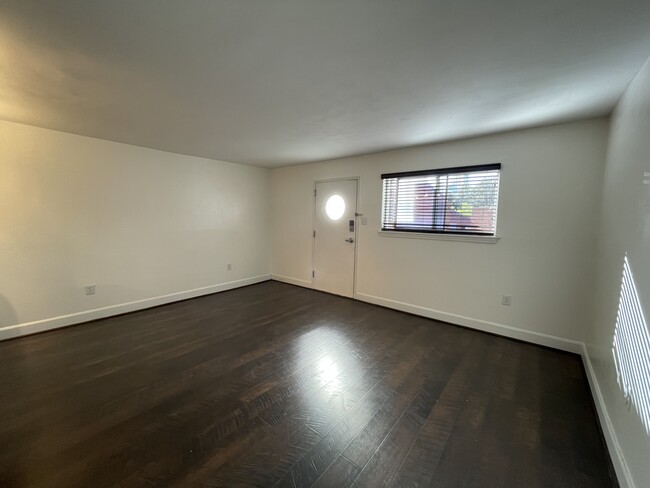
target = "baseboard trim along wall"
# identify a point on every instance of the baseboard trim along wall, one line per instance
(622, 472)
(483, 325)
(291, 281)
(539, 338)
(28, 328)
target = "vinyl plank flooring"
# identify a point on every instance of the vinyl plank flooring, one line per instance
(276, 385)
(436, 435)
(316, 412)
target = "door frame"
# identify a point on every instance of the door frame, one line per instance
(356, 228)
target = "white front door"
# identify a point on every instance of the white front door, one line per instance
(335, 235)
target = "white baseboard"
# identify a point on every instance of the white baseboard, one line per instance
(622, 472)
(100, 313)
(292, 281)
(483, 325)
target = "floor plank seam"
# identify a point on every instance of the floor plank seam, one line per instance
(345, 457)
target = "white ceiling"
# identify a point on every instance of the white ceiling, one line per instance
(276, 82)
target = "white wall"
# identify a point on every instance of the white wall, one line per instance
(624, 230)
(550, 193)
(137, 222)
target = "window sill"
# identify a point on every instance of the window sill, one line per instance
(440, 237)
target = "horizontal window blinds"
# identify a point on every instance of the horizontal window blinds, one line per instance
(449, 201)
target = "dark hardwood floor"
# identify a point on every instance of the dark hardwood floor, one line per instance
(275, 385)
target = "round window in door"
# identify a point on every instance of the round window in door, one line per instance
(335, 207)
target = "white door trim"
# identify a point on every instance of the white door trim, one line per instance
(356, 229)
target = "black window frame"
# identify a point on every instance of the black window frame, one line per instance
(440, 171)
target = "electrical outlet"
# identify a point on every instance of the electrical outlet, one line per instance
(90, 289)
(228, 267)
(506, 300)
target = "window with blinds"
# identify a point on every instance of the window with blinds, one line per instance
(444, 201)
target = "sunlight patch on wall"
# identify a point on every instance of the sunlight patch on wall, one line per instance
(631, 348)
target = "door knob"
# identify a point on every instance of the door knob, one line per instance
(350, 240)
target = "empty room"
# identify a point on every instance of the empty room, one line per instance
(296, 243)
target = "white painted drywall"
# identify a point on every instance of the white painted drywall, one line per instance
(137, 222)
(548, 209)
(624, 230)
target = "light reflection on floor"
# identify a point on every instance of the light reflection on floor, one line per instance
(336, 364)
(327, 371)
(631, 348)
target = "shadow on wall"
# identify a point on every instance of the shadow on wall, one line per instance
(7, 313)
(631, 348)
